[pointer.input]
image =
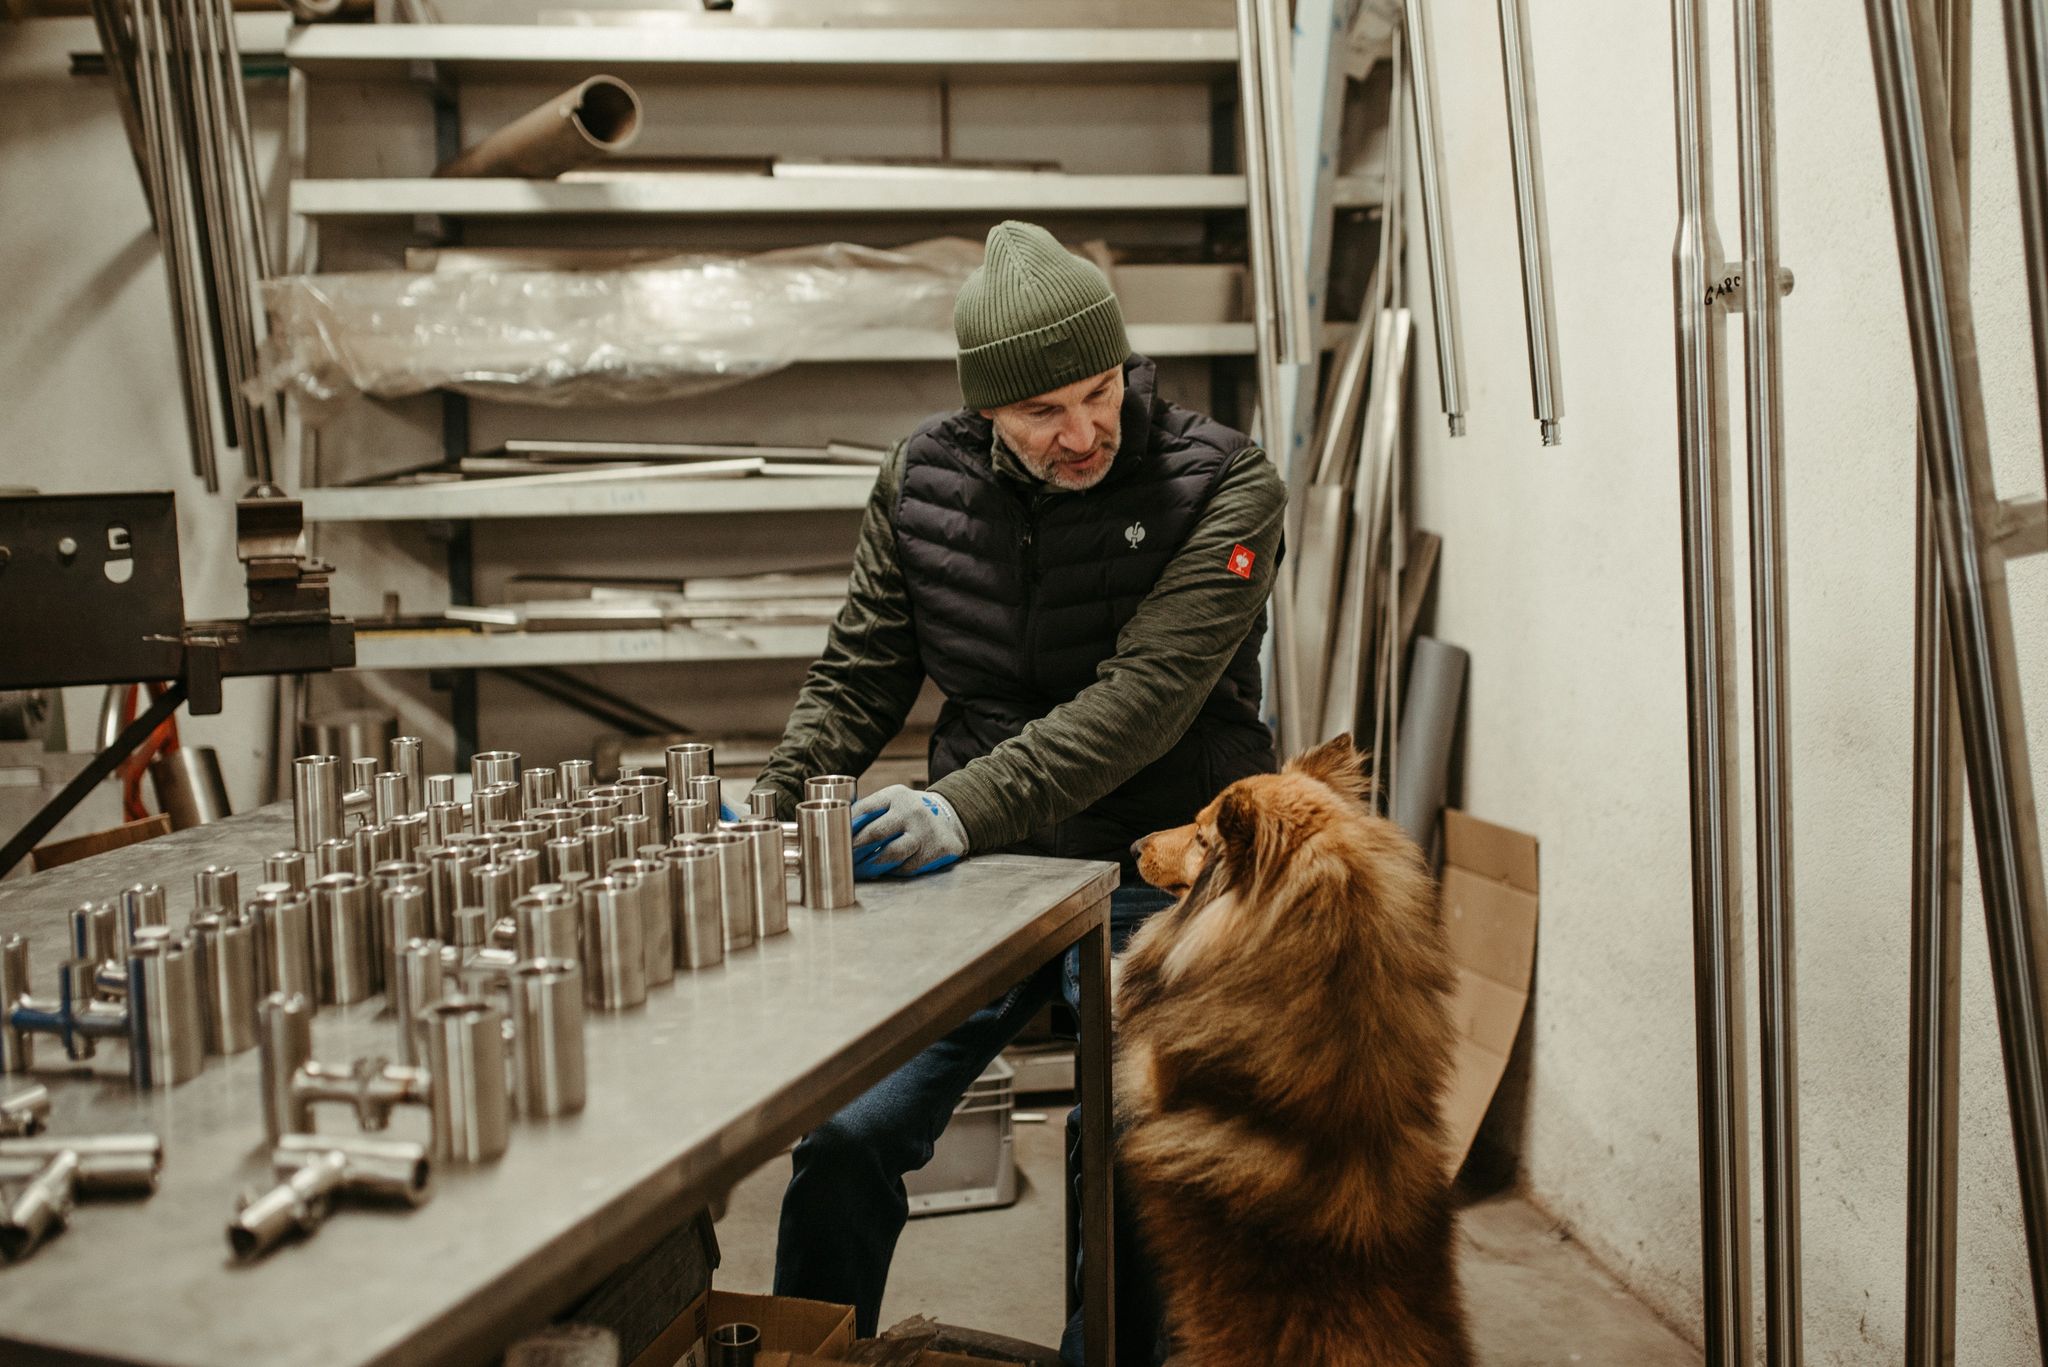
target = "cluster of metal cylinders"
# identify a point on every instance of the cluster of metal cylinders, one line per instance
(45, 1175)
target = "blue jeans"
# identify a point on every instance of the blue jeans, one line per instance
(846, 1207)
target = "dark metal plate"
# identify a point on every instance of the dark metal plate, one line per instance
(89, 589)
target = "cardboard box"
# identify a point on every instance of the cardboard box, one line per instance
(1489, 903)
(791, 1329)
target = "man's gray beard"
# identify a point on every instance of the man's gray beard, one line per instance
(1041, 470)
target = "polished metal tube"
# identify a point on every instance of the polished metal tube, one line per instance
(657, 915)
(493, 766)
(496, 887)
(441, 789)
(2026, 51)
(735, 1345)
(595, 811)
(699, 928)
(692, 817)
(687, 761)
(227, 983)
(528, 834)
(298, 1205)
(394, 1170)
(217, 888)
(576, 775)
(557, 821)
(704, 789)
(825, 851)
(829, 787)
(527, 866)
(472, 928)
(39, 1207)
(388, 798)
(769, 885)
(316, 801)
(96, 932)
(735, 885)
(1697, 266)
(168, 1028)
(143, 904)
(17, 1046)
(411, 831)
(567, 854)
(1934, 1020)
(288, 936)
(444, 888)
(108, 1164)
(547, 1037)
(284, 1042)
(419, 979)
(1436, 222)
(445, 821)
(362, 781)
(494, 804)
(335, 856)
(648, 795)
(344, 938)
(603, 844)
(1778, 1016)
(466, 1057)
(25, 1113)
(1532, 217)
(635, 830)
(408, 759)
(537, 789)
(1933, 256)
(406, 915)
(374, 845)
(614, 952)
(549, 927)
(761, 803)
(288, 866)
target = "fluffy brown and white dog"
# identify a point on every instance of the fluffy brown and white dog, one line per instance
(1283, 1040)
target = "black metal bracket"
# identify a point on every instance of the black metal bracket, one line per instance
(108, 760)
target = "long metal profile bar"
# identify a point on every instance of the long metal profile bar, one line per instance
(1436, 214)
(2026, 50)
(1710, 714)
(1297, 343)
(1935, 969)
(1258, 223)
(1933, 258)
(1777, 980)
(1532, 217)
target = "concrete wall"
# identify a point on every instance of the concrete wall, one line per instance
(1561, 574)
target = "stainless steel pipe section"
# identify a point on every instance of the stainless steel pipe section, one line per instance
(493, 766)
(595, 811)
(1933, 255)
(825, 853)
(735, 885)
(1532, 217)
(528, 834)
(466, 1058)
(408, 759)
(316, 801)
(96, 932)
(494, 804)
(298, 1205)
(603, 844)
(170, 1048)
(344, 939)
(442, 789)
(39, 1207)
(1756, 124)
(420, 979)
(1697, 266)
(288, 935)
(614, 945)
(685, 762)
(692, 817)
(566, 855)
(108, 1164)
(227, 983)
(648, 794)
(217, 888)
(394, 1170)
(387, 798)
(576, 775)
(635, 830)
(704, 789)
(142, 904)
(406, 915)
(335, 856)
(694, 884)
(648, 881)
(284, 1043)
(761, 803)
(288, 866)
(1436, 221)
(829, 787)
(362, 780)
(770, 885)
(2026, 51)
(537, 789)
(549, 927)
(547, 1037)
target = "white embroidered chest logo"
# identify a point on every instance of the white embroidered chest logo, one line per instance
(1134, 534)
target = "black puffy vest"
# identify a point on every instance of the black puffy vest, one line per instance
(1018, 596)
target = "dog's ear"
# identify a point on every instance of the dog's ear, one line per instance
(1237, 821)
(1338, 764)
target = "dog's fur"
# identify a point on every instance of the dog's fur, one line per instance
(1283, 1042)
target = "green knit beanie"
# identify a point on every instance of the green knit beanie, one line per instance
(1032, 318)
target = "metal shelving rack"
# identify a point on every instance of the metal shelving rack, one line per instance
(438, 58)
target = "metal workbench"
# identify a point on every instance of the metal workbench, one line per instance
(686, 1095)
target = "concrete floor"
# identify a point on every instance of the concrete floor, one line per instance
(1535, 1298)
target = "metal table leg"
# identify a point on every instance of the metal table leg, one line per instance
(1098, 1248)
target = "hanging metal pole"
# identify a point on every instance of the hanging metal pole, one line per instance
(1710, 713)
(1933, 258)
(2026, 49)
(1282, 183)
(1777, 1000)
(1546, 381)
(1436, 219)
(1937, 878)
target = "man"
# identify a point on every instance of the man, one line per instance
(1082, 570)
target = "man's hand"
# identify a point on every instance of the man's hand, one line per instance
(902, 833)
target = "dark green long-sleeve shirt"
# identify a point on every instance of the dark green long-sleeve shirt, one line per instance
(1168, 659)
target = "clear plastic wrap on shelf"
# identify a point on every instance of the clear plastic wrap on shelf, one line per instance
(686, 325)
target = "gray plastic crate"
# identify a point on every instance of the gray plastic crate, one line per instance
(974, 1165)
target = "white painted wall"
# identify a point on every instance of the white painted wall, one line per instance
(1561, 574)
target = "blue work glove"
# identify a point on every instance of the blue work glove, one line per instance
(902, 833)
(727, 814)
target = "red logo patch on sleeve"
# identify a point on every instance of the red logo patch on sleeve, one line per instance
(1240, 562)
